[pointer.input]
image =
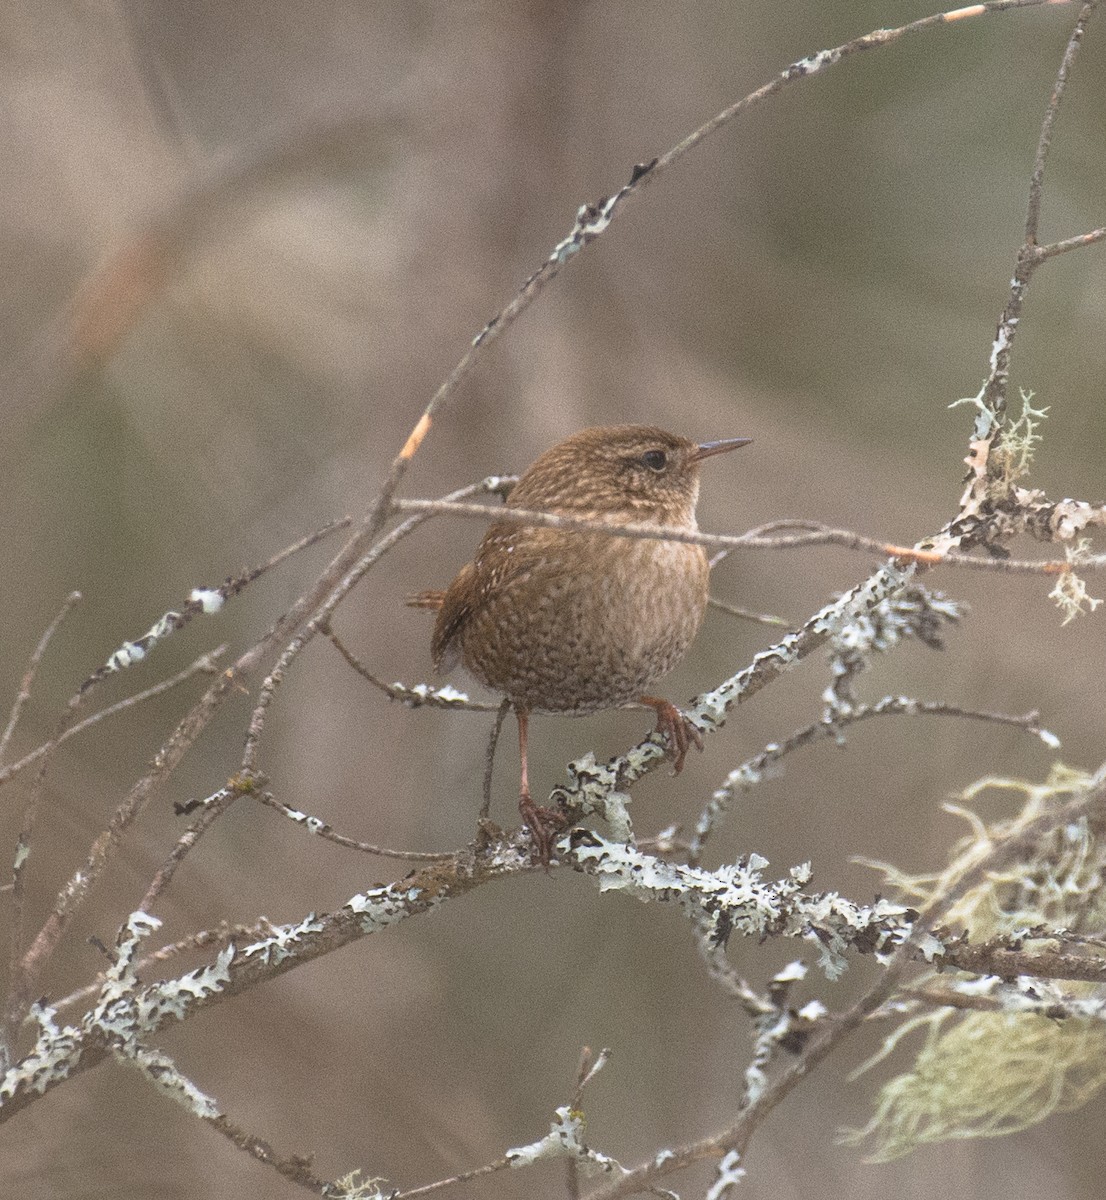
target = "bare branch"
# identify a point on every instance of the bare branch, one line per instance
(992, 397)
(1044, 140)
(201, 601)
(211, 809)
(1078, 242)
(746, 615)
(998, 958)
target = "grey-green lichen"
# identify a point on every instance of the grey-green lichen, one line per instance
(124, 1014)
(383, 906)
(51, 1060)
(736, 898)
(1070, 594)
(159, 1069)
(985, 1075)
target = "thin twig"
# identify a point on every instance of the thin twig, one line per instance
(746, 615)
(295, 1168)
(1044, 139)
(489, 757)
(202, 601)
(1073, 243)
(210, 811)
(24, 693)
(500, 1164)
(326, 605)
(222, 935)
(587, 1067)
(206, 664)
(814, 535)
(993, 395)
(17, 887)
(327, 833)
(419, 696)
(759, 766)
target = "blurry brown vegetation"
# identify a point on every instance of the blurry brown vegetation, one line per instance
(824, 277)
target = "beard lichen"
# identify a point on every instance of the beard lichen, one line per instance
(991, 1073)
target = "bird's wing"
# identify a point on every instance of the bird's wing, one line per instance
(507, 554)
(454, 611)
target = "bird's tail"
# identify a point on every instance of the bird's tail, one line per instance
(431, 600)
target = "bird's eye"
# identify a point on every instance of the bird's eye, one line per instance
(655, 460)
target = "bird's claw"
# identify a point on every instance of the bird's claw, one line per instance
(678, 730)
(544, 825)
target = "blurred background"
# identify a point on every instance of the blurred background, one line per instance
(203, 359)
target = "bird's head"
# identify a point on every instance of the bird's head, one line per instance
(623, 472)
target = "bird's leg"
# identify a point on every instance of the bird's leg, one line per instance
(676, 729)
(544, 823)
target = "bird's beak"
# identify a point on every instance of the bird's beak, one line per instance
(709, 448)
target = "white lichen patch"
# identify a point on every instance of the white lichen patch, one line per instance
(174, 997)
(209, 599)
(813, 63)
(55, 1054)
(282, 942)
(162, 1072)
(418, 694)
(125, 1013)
(356, 1186)
(565, 1140)
(730, 1174)
(385, 906)
(1070, 594)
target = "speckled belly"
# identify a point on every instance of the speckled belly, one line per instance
(592, 631)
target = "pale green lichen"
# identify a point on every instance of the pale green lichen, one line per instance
(985, 1074)
(355, 1186)
(1013, 450)
(1070, 593)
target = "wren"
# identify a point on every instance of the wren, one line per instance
(564, 621)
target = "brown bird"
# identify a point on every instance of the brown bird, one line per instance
(564, 621)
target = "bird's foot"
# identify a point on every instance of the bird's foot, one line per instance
(676, 728)
(544, 825)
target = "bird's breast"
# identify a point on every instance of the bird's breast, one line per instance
(579, 623)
